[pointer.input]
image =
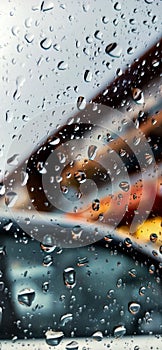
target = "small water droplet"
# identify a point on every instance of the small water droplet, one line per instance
(28, 22)
(41, 168)
(65, 319)
(29, 38)
(26, 296)
(119, 331)
(81, 103)
(82, 261)
(105, 20)
(46, 43)
(148, 158)
(47, 260)
(153, 237)
(9, 116)
(98, 35)
(10, 199)
(134, 308)
(62, 65)
(2, 189)
(55, 141)
(80, 176)
(92, 151)
(73, 345)
(142, 291)
(15, 30)
(117, 6)
(47, 244)
(47, 5)
(96, 205)
(124, 185)
(128, 242)
(138, 95)
(76, 232)
(98, 336)
(69, 277)
(45, 287)
(24, 178)
(86, 6)
(113, 50)
(53, 338)
(87, 76)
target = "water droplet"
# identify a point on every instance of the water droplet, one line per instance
(65, 319)
(92, 151)
(119, 331)
(72, 346)
(86, 6)
(97, 336)
(149, 1)
(113, 50)
(46, 43)
(69, 277)
(152, 269)
(2, 189)
(105, 20)
(61, 157)
(47, 244)
(15, 30)
(110, 293)
(53, 338)
(28, 22)
(62, 65)
(117, 6)
(1, 311)
(134, 308)
(82, 261)
(26, 296)
(29, 38)
(133, 273)
(24, 178)
(9, 116)
(41, 168)
(98, 35)
(8, 226)
(87, 76)
(81, 103)
(122, 152)
(47, 260)
(96, 205)
(128, 242)
(138, 95)
(130, 50)
(55, 141)
(153, 237)
(76, 232)
(142, 291)
(25, 118)
(10, 199)
(80, 176)
(148, 158)
(124, 185)
(47, 5)
(45, 287)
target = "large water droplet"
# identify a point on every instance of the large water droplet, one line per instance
(117, 6)
(26, 296)
(47, 260)
(53, 338)
(113, 50)
(134, 308)
(69, 277)
(98, 35)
